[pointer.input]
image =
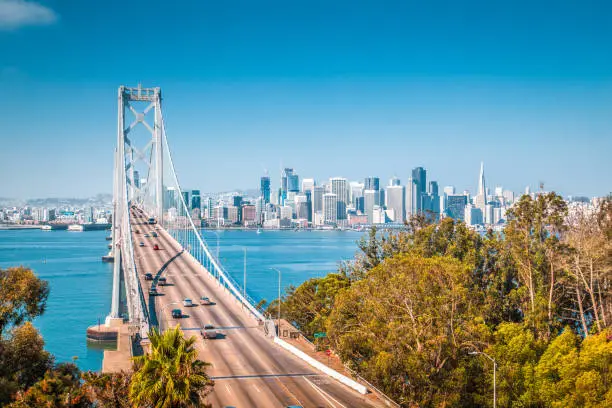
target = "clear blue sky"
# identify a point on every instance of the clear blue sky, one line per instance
(331, 88)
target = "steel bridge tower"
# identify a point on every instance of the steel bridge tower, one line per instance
(129, 191)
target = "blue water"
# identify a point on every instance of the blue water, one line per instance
(81, 284)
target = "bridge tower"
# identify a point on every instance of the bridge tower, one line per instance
(132, 153)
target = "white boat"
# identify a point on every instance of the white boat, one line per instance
(258, 231)
(46, 228)
(75, 227)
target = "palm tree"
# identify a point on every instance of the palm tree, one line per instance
(170, 376)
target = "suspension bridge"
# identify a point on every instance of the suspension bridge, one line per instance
(251, 365)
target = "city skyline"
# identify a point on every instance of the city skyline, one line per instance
(341, 88)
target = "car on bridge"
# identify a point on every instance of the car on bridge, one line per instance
(154, 234)
(156, 247)
(162, 281)
(148, 276)
(153, 292)
(146, 235)
(205, 301)
(187, 302)
(209, 332)
(177, 314)
(141, 244)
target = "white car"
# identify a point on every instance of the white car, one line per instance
(209, 332)
(205, 301)
(187, 302)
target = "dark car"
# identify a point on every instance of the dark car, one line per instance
(148, 276)
(162, 281)
(177, 314)
(152, 292)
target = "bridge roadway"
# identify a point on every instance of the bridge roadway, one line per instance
(249, 370)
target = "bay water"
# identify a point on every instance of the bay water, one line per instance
(81, 283)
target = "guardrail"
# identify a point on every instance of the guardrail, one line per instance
(387, 400)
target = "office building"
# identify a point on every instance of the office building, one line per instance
(449, 190)
(473, 215)
(371, 183)
(396, 201)
(339, 187)
(394, 181)
(411, 198)
(330, 208)
(317, 199)
(307, 184)
(264, 189)
(419, 178)
(455, 206)
(480, 200)
(370, 199)
(302, 207)
(196, 200)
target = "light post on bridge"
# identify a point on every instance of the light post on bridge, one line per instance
(279, 299)
(473, 353)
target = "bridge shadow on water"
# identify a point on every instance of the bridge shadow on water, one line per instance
(152, 313)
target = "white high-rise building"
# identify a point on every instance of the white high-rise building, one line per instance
(473, 215)
(488, 214)
(411, 198)
(317, 199)
(339, 187)
(308, 184)
(394, 181)
(370, 199)
(449, 190)
(396, 201)
(330, 208)
(355, 191)
(480, 200)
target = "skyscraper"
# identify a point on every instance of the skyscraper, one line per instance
(480, 200)
(370, 199)
(371, 183)
(307, 184)
(394, 181)
(265, 189)
(419, 178)
(339, 187)
(196, 202)
(330, 208)
(317, 199)
(455, 206)
(396, 201)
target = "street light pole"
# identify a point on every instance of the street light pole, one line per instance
(473, 353)
(279, 298)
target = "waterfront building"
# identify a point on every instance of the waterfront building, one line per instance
(396, 201)
(302, 207)
(233, 214)
(285, 212)
(264, 189)
(209, 208)
(330, 208)
(249, 214)
(357, 219)
(378, 215)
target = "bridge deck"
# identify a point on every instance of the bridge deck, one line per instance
(248, 368)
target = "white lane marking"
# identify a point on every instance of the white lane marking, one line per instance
(227, 387)
(324, 394)
(258, 390)
(290, 393)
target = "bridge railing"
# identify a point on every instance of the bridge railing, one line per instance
(198, 246)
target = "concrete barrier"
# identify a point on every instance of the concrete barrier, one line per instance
(322, 367)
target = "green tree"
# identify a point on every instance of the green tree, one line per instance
(405, 327)
(23, 296)
(60, 388)
(170, 376)
(308, 306)
(108, 390)
(532, 235)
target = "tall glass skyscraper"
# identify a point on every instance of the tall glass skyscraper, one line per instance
(265, 189)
